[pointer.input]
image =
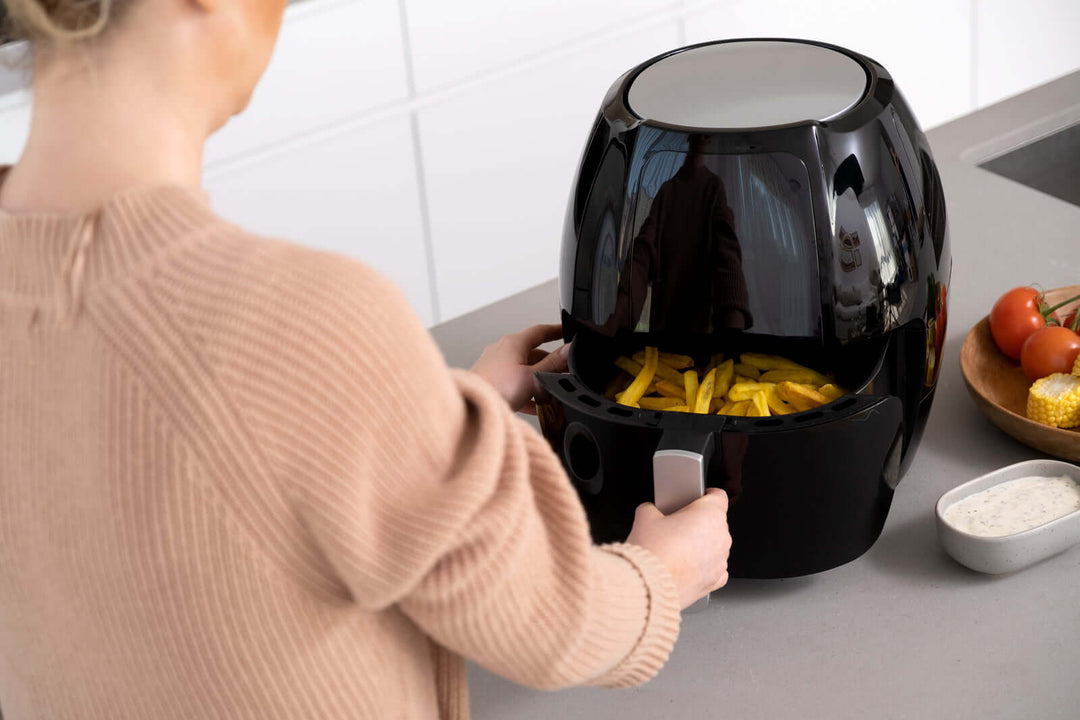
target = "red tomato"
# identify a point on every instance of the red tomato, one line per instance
(1049, 350)
(1014, 317)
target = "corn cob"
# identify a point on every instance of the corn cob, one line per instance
(1055, 401)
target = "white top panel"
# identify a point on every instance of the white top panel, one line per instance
(748, 84)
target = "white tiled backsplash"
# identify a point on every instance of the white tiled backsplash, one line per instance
(437, 141)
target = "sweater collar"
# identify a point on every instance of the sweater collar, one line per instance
(45, 254)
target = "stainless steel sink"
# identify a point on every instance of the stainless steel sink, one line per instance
(1050, 164)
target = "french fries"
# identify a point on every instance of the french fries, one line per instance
(641, 383)
(725, 372)
(690, 383)
(704, 394)
(750, 385)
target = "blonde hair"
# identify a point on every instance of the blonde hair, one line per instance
(57, 21)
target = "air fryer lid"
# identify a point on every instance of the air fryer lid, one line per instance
(748, 84)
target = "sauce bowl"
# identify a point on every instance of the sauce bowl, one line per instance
(1008, 553)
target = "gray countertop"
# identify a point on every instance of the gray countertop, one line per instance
(903, 631)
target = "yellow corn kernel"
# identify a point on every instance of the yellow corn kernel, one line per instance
(1055, 401)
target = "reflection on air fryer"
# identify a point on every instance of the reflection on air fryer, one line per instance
(757, 386)
(721, 241)
(688, 241)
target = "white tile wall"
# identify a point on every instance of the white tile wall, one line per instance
(353, 192)
(335, 59)
(499, 162)
(1023, 44)
(438, 140)
(451, 41)
(924, 44)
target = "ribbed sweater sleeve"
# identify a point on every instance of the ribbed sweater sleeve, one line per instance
(416, 482)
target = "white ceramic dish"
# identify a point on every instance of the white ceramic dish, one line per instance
(1009, 552)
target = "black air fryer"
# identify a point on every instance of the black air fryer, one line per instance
(772, 196)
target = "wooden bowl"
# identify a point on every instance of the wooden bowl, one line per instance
(1000, 388)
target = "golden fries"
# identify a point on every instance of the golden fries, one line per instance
(747, 371)
(758, 385)
(832, 392)
(663, 370)
(801, 397)
(704, 394)
(805, 377)
(690, 382)
(676, 361)
(725, 372)
(641, 382)
(769, 362)
(758, 407)
(746, 391)
(660, 403)
(668, 389)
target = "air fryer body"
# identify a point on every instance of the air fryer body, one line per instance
(820, 239)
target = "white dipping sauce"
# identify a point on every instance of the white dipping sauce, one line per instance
(1015, 506)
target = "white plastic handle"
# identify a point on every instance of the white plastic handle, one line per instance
(678, 480)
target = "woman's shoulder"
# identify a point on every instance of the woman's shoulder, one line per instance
(283, 278)
(287, 265)
(290, 318)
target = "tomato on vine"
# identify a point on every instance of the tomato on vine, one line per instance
(1049, 350)
(1015, 316)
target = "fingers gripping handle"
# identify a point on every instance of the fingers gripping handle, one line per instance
(680, 464)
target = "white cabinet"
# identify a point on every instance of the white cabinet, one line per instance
(452, 41)
(499, 162)
(353, 192)
(924, 44)
(1024, 44)
(335, 59)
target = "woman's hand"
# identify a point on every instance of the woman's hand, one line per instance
(693, 543)
(511, 364)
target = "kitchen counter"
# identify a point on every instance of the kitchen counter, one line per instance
(903, 631)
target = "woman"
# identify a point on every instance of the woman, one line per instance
(236, 477)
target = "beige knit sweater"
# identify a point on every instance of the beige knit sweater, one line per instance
(237, 480)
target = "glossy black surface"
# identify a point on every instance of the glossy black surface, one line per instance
(824, 241)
